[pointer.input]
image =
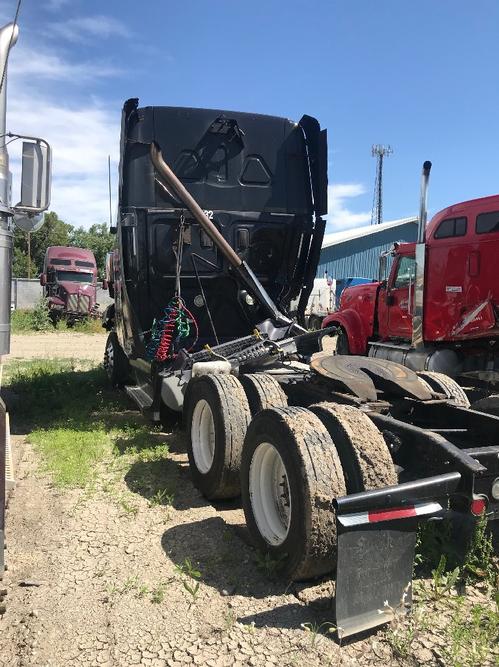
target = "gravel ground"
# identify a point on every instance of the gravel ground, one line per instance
(108, 591)
(100, 577)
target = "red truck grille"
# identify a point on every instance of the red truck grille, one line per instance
(78, 303)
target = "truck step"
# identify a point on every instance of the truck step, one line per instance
(141, 397)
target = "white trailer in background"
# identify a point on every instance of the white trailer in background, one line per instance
(321, 302)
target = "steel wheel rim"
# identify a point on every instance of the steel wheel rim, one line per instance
(203, 436)
(269, 492)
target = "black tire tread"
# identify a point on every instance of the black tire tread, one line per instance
(365, 457)
(488, 404)
(119, 374)
(235, 413)
(263, 392)
(321, 480)
(444, 384)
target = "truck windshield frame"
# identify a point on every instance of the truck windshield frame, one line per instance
(74, 277)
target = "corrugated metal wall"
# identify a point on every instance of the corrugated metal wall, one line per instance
(359, 257)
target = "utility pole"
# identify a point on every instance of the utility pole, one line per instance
(379, 152)
(8, 37)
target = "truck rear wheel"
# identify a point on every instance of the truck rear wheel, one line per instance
(443, 384)
(262, 391)
(364, 455)
(115, 361)
(217, 416)
(489, 404)
(342, 346)
(290, 475)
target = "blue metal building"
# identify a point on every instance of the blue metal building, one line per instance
(355, 252)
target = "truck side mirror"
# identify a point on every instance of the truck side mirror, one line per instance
(43, 279)
(35, 177)
(105, 284)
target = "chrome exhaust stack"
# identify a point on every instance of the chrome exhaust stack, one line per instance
(419, 282)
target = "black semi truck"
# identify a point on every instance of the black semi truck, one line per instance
(337, 459)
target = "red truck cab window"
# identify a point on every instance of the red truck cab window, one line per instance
(487, 223)
(451, 227)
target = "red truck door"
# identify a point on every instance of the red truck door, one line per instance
(396, 320)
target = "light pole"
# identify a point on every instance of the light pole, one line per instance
(8, 37)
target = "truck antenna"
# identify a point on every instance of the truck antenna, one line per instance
(379, 152)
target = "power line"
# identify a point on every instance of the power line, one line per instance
(10, 43)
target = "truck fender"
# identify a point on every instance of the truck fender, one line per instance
(350, 321)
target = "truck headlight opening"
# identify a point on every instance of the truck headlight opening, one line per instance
(495, 489)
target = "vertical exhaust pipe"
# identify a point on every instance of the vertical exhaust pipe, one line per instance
(8, 37)
(423, 201)
(419, 282)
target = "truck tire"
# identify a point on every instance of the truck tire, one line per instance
(290, 475)
(217, 415)
(489, 404)
(443, 384)
(342, 346)
(262, 391)
(364, 455)
(115, 361)
(314, 323)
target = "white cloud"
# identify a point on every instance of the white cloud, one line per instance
(83, 28)
(340, 216)
(81, 139)
(51, 66)
(81, 129)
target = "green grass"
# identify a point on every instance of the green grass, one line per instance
(33, 321)
(82, 427)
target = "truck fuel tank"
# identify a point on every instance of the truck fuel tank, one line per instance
(423, 359)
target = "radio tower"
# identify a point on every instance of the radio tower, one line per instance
(379, 152)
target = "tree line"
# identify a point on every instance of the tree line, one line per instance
(56, 232)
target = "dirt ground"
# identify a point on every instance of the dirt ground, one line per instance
(106, 576)
(57, 345)
(93, 583)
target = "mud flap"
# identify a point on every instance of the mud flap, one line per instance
(373, 574)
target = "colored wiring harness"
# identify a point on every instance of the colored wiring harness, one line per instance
(167, 332)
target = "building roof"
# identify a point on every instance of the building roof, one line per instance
(357, 232)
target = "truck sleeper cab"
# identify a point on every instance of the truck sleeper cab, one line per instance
(262, 182)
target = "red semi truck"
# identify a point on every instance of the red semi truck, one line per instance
(69, 281)
(438, 310)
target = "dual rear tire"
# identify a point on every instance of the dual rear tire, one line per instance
(288, 464)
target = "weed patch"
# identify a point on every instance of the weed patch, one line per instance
(37, 320)
(78, 423)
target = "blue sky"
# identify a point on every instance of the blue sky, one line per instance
(421, 76)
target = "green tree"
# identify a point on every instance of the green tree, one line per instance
(53, 232)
